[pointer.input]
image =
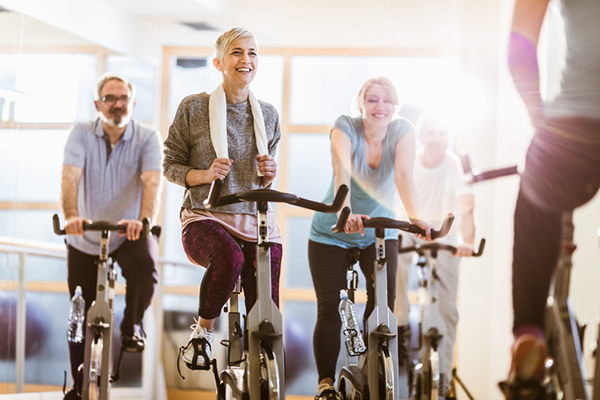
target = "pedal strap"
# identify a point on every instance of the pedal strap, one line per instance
(199, 345)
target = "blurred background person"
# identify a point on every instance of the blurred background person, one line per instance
(562, 168)
(441, 190)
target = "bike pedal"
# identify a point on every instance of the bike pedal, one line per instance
(197, 367)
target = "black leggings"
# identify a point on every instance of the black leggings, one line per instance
(562, 172)
(328, 266)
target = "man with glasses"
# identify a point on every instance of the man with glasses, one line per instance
(112, 172)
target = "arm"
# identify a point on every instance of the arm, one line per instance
(341, 149)
(152, 183)
(466, 203)
(403, 176)
(71, 176)
(152, 187)
(527, 21)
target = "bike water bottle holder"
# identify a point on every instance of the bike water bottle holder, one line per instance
(352, 352)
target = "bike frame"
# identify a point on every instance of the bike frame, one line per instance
(100, 323)
(264, 324)
(381, 326)
(100, 315)
(562, 331)
(429, 341)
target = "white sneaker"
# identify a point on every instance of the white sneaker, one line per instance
(327, 392)
(196, 354)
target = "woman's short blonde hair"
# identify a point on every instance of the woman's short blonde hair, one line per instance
(387, 85)
(230, 36)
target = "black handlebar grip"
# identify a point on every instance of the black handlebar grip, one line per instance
(102, 226)
(339, 198)
(334, 207)
(495, 173)
(435, 234)
(481, 247)
(56, 224)
(213, 195)
(341, 223)
(145, 228)
(445, 227)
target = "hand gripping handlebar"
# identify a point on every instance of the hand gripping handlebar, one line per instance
(381, 222)
(268, 195)
(103, 226)
(440, 246)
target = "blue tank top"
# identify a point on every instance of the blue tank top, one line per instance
(372, 190)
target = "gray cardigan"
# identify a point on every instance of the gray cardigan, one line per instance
(189, 146)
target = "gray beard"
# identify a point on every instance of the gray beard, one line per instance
(117, 122)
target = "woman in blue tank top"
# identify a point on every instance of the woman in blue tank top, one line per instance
(373, 155)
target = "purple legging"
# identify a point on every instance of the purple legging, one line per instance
(208, 244)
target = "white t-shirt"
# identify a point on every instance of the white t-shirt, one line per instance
(438, 190)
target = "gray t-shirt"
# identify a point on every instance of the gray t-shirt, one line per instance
(189, 146)
(111, 187)
(579, 94)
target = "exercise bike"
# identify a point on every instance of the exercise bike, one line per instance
(428, 381)
(565, 375)
(376, 374)
(257, 372)
(100, 317)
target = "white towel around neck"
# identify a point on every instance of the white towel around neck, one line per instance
(217, 109)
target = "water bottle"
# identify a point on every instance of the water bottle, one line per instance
(76, 317)
(354, 340)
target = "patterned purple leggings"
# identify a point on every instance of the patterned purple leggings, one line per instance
(208, 244)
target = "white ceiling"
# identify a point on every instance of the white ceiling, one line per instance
(144, 26)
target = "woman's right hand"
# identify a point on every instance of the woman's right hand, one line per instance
(219, 169)
(355, 224)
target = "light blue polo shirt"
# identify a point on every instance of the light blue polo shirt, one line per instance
(111, 187)
(372, 190)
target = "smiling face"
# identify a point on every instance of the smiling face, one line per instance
(239, 63)
(378, 108)
(115, 103)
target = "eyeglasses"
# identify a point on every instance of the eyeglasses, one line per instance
(110, 99)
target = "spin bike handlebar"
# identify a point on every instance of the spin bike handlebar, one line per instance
(274, 196)
(381, 222)
(486, 175)
(440, 246)
(103, 226)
